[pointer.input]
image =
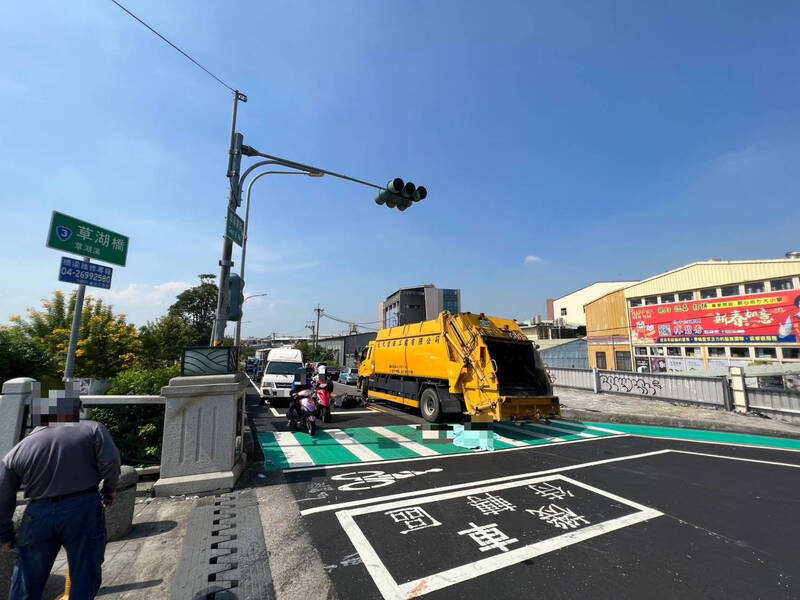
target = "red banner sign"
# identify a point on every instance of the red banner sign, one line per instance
(759, 318)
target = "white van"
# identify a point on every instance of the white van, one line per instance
(283, 365)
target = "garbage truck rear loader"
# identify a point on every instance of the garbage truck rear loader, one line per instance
(474, 364)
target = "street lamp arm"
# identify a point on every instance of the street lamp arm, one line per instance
(249, 151)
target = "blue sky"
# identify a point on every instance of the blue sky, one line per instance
(609, 140)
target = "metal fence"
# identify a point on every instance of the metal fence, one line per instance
(582, 379)
(700, 390)
(780, 401)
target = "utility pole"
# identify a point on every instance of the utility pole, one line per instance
(319, 310)
(225, 264)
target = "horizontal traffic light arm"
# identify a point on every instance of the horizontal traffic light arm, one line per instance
(396, 193)
(250, 151)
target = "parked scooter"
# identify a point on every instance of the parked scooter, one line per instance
(303, 411)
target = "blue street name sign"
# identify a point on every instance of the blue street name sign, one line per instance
(81, 272)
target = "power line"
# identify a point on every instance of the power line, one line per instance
(174, 46)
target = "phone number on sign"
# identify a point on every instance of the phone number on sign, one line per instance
(78, 274)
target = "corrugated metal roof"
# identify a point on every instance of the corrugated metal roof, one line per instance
(714, 273)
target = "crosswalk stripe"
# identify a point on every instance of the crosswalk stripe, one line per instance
(567, 424)
(563, 430)
(294, 452)
(358, 449)
(529, 432)
(508, 440)
(404, 441)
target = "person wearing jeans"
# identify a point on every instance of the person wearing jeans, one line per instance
(60, 466)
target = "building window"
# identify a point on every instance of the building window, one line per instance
(716, 352)
(640, 351)
(740, 352)
(777, 285)
(685, 296)
(766, 353)
(623, 361)
(730, 290)
(600, 359)
(636, 302)
(754, 288)
(673, 351)
(790, 353)
(657, 351)
(650, 300)
(563, 312)
(708, 293)
(692, 351)
(665, 298)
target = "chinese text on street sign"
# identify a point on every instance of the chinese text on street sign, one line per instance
(235, 227)
(77, 271)
(79, 237)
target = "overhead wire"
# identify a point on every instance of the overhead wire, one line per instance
(220, 81)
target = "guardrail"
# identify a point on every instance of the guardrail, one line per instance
(97, 401)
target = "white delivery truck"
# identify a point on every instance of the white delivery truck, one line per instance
(283, 365)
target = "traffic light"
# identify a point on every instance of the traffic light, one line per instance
(400, 195)
(235, 297)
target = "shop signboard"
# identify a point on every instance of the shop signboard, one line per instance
(772, 318)
(642, 364)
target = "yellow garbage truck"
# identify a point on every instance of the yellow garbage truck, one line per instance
(470, 364)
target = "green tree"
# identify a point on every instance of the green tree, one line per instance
(197, 306)
(107, 343)
(164, 339)
(22, 356)
(318, 354)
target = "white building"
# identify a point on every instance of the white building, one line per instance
(570, 306)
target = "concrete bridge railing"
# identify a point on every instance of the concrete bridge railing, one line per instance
(204, 422)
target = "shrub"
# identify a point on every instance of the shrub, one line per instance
(137, 430)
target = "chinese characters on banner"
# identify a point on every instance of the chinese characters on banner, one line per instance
(757, 318)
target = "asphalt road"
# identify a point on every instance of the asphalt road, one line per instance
(619, 516)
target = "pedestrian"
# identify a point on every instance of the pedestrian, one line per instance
(60, 465)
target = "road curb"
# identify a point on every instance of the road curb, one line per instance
(578, 414)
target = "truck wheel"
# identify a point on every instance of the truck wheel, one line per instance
(430, 406)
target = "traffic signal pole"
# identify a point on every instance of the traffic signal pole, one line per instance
(395, 194)
(225, 264)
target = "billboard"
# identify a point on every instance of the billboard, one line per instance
(772, 318)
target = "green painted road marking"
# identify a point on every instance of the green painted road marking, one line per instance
(521, 437)
(700, 435)
(550, 433)
(273, 456)
(415, 435)
(579, 427)
(323, 449)
(382, 446)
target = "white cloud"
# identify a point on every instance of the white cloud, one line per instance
(143, 302)
(531, 258)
